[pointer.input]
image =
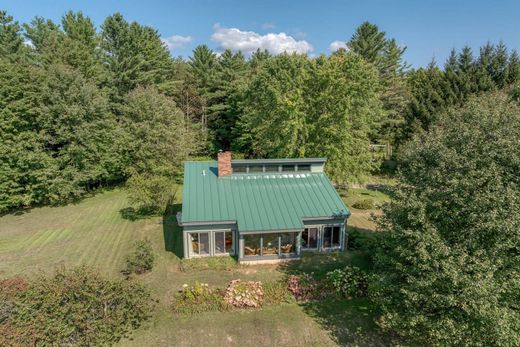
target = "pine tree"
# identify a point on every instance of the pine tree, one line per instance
(11, 41)
(203, 67)
(135, 56)
(371, 43)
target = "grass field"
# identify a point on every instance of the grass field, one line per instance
(95, 232)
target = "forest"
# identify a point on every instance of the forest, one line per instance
(85, 107)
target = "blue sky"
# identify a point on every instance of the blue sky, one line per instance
(428, 28)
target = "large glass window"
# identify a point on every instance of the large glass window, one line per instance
(327, 237)
(229, 242)
(200, 243)
(223, 242)
(331, 236)
(310, 238)
(195, 243)
(270, 244)
(256, 168)
(239, 169)
(288, 168)
(336, 234)
(304, 168)
(287, 243)
(203, 243)
(252, 245)
(271, 168)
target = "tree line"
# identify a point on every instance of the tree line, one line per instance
(83, 107)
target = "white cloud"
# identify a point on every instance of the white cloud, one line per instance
(268, 26)
(28, 43)
(335, 45)
(249, 41)
(176, 41)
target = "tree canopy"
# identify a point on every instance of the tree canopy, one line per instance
(450, 255)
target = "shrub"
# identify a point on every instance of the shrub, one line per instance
(365, 204)
(361, 240)
(74, 307)
(197, 299)
(349, 282)
(141, 260)
(149, 193)
(244, 294)
(276, 292)
(208, 263)
(303, 287)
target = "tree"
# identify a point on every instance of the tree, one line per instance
(77, 130)
(11, 41)
(427, 87)
(275, 100)
(296, 107)
(134, 55)
(343, 109)
(203, 67)
(368, 42)
(157, 137)
(449, 261)
(25, 167)
(230, 72)
(371, 44)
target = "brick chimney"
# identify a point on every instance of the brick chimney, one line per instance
(224, 163)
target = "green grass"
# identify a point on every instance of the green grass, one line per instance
(95, 232)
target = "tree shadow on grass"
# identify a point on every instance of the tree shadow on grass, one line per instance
(350, 322)
(172, 232)
(132, 214)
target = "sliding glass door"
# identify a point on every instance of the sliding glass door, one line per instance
(200, 243)
(270, 245)
(206, 243)
(309, 240)
(331, 237)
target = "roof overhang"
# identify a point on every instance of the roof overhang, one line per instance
(281, 161)
(195, 223)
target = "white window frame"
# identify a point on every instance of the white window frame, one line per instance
(232, 242)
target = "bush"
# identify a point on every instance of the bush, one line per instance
(198, 298)
(349, 282)
(141, 260)
(74, 307)
(149, 193)
(244, 294)
(365, 204)
(361, 240)
(208, 263)
(303, 287)
(276, 292)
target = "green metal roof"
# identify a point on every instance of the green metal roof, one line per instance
(257, 202)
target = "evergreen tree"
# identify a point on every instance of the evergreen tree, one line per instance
(11, 41)
(203, 68)
(371, 44)
(230, 73)
(427, 87)
(135, 56)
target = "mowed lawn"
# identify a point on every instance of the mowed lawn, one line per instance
(94, 232)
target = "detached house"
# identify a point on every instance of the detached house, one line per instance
(262, 209)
